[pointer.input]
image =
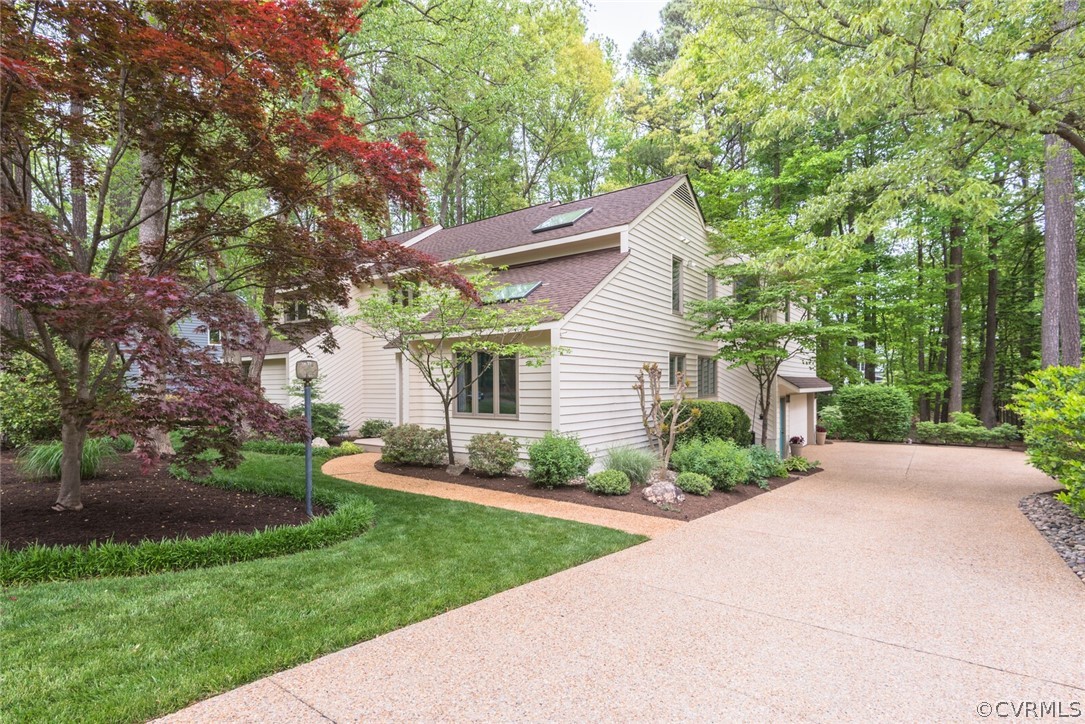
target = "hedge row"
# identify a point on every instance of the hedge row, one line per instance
(36, 563)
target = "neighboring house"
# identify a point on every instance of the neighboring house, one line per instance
(619, 269)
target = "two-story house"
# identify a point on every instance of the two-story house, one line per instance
(618, 270)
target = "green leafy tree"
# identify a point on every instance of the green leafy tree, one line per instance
(437, 330)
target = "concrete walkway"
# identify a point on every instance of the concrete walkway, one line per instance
(900, 584)
(359, 469)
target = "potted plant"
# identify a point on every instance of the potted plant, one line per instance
(819, 436)
(797, 443)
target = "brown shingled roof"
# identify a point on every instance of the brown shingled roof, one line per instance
(514, 228)
(565, 280)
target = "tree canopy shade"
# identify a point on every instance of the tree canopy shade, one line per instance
(166, 160)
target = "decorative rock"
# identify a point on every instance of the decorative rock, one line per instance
(1062, 529)
(577, 482)
(320, 442)
(455, 469)
(663, 492)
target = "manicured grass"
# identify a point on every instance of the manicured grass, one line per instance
(126, 649)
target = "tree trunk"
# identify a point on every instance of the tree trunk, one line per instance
(152, 233)
(953, 316)
(921, 351)
(448, 434)
(73, 434)
(990, 340)
(1060, 333)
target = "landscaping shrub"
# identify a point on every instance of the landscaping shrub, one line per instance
(37, 563)
(694, 483)
(832, 420)
(375, 428)
(414, 445)
(492, 453)
(123, 443)
(875, 412)
(29, 409)
(727, 464)
(43, 460)
(716, 421)
(636, 464)
(349, 448)
(1052, 405)
(608, 482)
(764, 464)
(955, 433)
(327, 418)
(557, 459)
(799, 464)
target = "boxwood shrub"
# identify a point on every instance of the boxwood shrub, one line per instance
(609, 482)
(350, 517)
(694, 483)
(875, 412)
(493, 453)
(724, 462)
(556, 459)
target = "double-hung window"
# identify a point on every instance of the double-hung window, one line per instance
(676, 285)
(487, 386)
(677, 366)
(706, 377)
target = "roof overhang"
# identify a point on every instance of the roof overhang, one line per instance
(803, 385)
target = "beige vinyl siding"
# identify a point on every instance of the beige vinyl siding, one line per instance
(341, 373)
(533, 420)
(273, 380)
(629, 321)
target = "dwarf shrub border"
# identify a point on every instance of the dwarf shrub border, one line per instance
(349, 518)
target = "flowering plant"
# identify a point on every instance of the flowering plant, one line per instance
(798, 440)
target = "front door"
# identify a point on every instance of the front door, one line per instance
(782, 427)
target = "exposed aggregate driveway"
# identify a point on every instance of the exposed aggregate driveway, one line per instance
(901, 584)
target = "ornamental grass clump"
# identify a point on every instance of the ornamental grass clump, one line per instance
(636, 464)
(556, 459)
(42, 461)
(608, 482)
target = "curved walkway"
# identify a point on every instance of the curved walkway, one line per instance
(900, 584)
(359, 469)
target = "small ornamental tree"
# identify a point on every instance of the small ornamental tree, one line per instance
(438, 329)
(663, 423)
(168, 160)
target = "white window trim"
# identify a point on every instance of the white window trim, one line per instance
(678, 285)
(496, 414)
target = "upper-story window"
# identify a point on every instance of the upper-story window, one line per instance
(710, 294)
(295, 312)
(706, 377)
(214, 337)
(676, 285)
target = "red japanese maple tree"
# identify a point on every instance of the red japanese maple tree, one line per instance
(166, 160)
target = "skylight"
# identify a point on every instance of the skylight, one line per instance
(511, 292)
(556, 222)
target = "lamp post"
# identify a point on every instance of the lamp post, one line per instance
(306, 370)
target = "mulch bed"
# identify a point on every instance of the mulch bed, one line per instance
(693, 507)
(129, 506)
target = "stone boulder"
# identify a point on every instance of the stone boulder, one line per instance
(661, 489)
(320, 442)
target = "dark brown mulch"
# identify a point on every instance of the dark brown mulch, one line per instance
(694, 506)
(129, 506)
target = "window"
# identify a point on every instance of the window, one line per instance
(706, 377)
(744, 288)
(296, 312)
(511, 292)
(402, 295)
(214, 337)
(676, 285)
(711, 293)
(678, 365)
(493, 392)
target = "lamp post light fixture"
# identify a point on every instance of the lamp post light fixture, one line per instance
(306, 370)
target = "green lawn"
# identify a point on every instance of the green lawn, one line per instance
(126, 649)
